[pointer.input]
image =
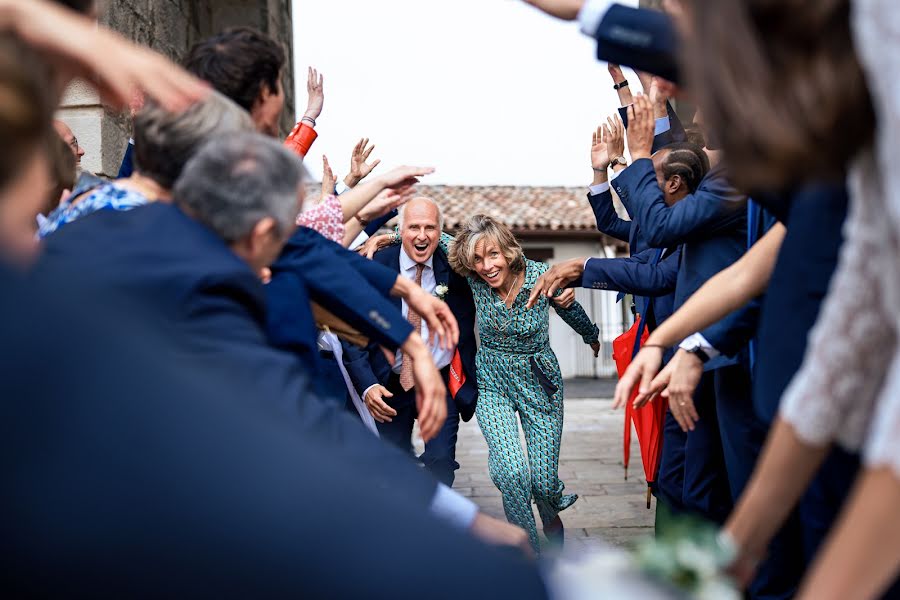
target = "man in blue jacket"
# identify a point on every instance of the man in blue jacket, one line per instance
(193, 266)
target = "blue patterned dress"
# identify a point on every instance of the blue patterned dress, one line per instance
(517, 371)
(108, 196)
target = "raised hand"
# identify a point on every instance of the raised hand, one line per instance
(359, 168)
(114, 65)
(315, 87)
(403, 176)
(658, 97)
(624, 93)
(614, 136)
(599, 153)
(641, 371)
(386, 201)
(641, 125)
(561, 9)
(378, 408)
(328, 178)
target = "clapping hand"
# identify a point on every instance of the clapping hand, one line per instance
(641, 125)
(328, 178)
(599, 150)
(641, 371)
(359, 168)
(614, 136)
(315, 87)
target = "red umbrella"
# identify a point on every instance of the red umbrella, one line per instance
(648, 420)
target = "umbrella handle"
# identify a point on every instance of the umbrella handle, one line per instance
(626, 472)
(648, 496)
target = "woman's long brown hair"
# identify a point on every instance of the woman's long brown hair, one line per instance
(780, 86)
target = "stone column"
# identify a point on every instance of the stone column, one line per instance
(169, 27)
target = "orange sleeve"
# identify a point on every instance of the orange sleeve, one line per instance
(301, 139)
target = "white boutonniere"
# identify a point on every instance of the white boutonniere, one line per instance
(441, 290)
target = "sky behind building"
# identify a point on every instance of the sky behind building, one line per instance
(489, 92)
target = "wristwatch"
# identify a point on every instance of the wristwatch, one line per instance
(620, 85)
(699, 353)
(619, 160)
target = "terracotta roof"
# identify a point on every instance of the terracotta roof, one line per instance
(535, 210)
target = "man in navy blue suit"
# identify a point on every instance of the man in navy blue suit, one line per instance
(196, 264)
(389, 397)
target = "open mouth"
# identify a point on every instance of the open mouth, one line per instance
(420, 247)
(492, 276)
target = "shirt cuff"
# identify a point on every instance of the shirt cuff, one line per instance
(358, 240)
(453, 507)
(599, 188)
(697, 339)
(662, 125)
(340, 187)
(363, 395)
(586, 261)
(591, 14)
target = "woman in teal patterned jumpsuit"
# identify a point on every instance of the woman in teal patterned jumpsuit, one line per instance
(517, 371)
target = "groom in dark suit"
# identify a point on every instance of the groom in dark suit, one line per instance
(387, 389)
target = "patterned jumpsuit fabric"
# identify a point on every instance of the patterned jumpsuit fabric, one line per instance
(518, 372)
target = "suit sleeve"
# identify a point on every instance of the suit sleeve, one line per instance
(713, 205)
(341, 288)
(373, 227)
(359, 367)
(608, 221)
(643, 39)
(635, 275)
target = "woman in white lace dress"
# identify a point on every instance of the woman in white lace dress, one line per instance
(793, 65)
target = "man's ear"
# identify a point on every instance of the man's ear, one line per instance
(262, 231)
(674, 184)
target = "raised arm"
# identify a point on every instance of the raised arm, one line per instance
(607, 143)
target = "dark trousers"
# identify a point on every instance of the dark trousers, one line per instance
(743, 435)
(440, 453)
(692, 475)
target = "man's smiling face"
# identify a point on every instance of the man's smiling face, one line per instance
(421, 232)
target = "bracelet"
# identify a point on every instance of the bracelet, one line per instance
(620, 85)
(309, 119)
(596, 170)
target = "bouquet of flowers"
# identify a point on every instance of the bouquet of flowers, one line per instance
(688, 554)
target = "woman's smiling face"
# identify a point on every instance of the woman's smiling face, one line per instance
(490, 263)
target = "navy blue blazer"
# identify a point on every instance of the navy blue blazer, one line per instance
(129, 472)
(369, 366)
(711, 224)
(353, 288)
(637, 275)
(643, 39)
(204, 295)
(799, 283)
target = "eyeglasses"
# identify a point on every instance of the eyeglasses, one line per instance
(74, 143)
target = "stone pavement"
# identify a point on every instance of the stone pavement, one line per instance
(609, 509)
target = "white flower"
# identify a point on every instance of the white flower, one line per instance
(441, 290)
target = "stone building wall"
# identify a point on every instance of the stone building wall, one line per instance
(169, 27)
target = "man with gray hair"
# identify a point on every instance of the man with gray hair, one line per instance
(194, 265)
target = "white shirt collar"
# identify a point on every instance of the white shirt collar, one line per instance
(408, 264)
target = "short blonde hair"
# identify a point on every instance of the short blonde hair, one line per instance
(482, 228)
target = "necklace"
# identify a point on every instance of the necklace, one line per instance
(501, 326)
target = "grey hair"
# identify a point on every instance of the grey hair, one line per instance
(165, 141)
(431, 201)
(482, 228)
(234, 182)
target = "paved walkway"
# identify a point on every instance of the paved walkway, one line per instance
(609, 509)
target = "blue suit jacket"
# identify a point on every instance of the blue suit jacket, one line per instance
(353, 288)
(711, 224)
(201, 293)
(368, 366)
(131, 470)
